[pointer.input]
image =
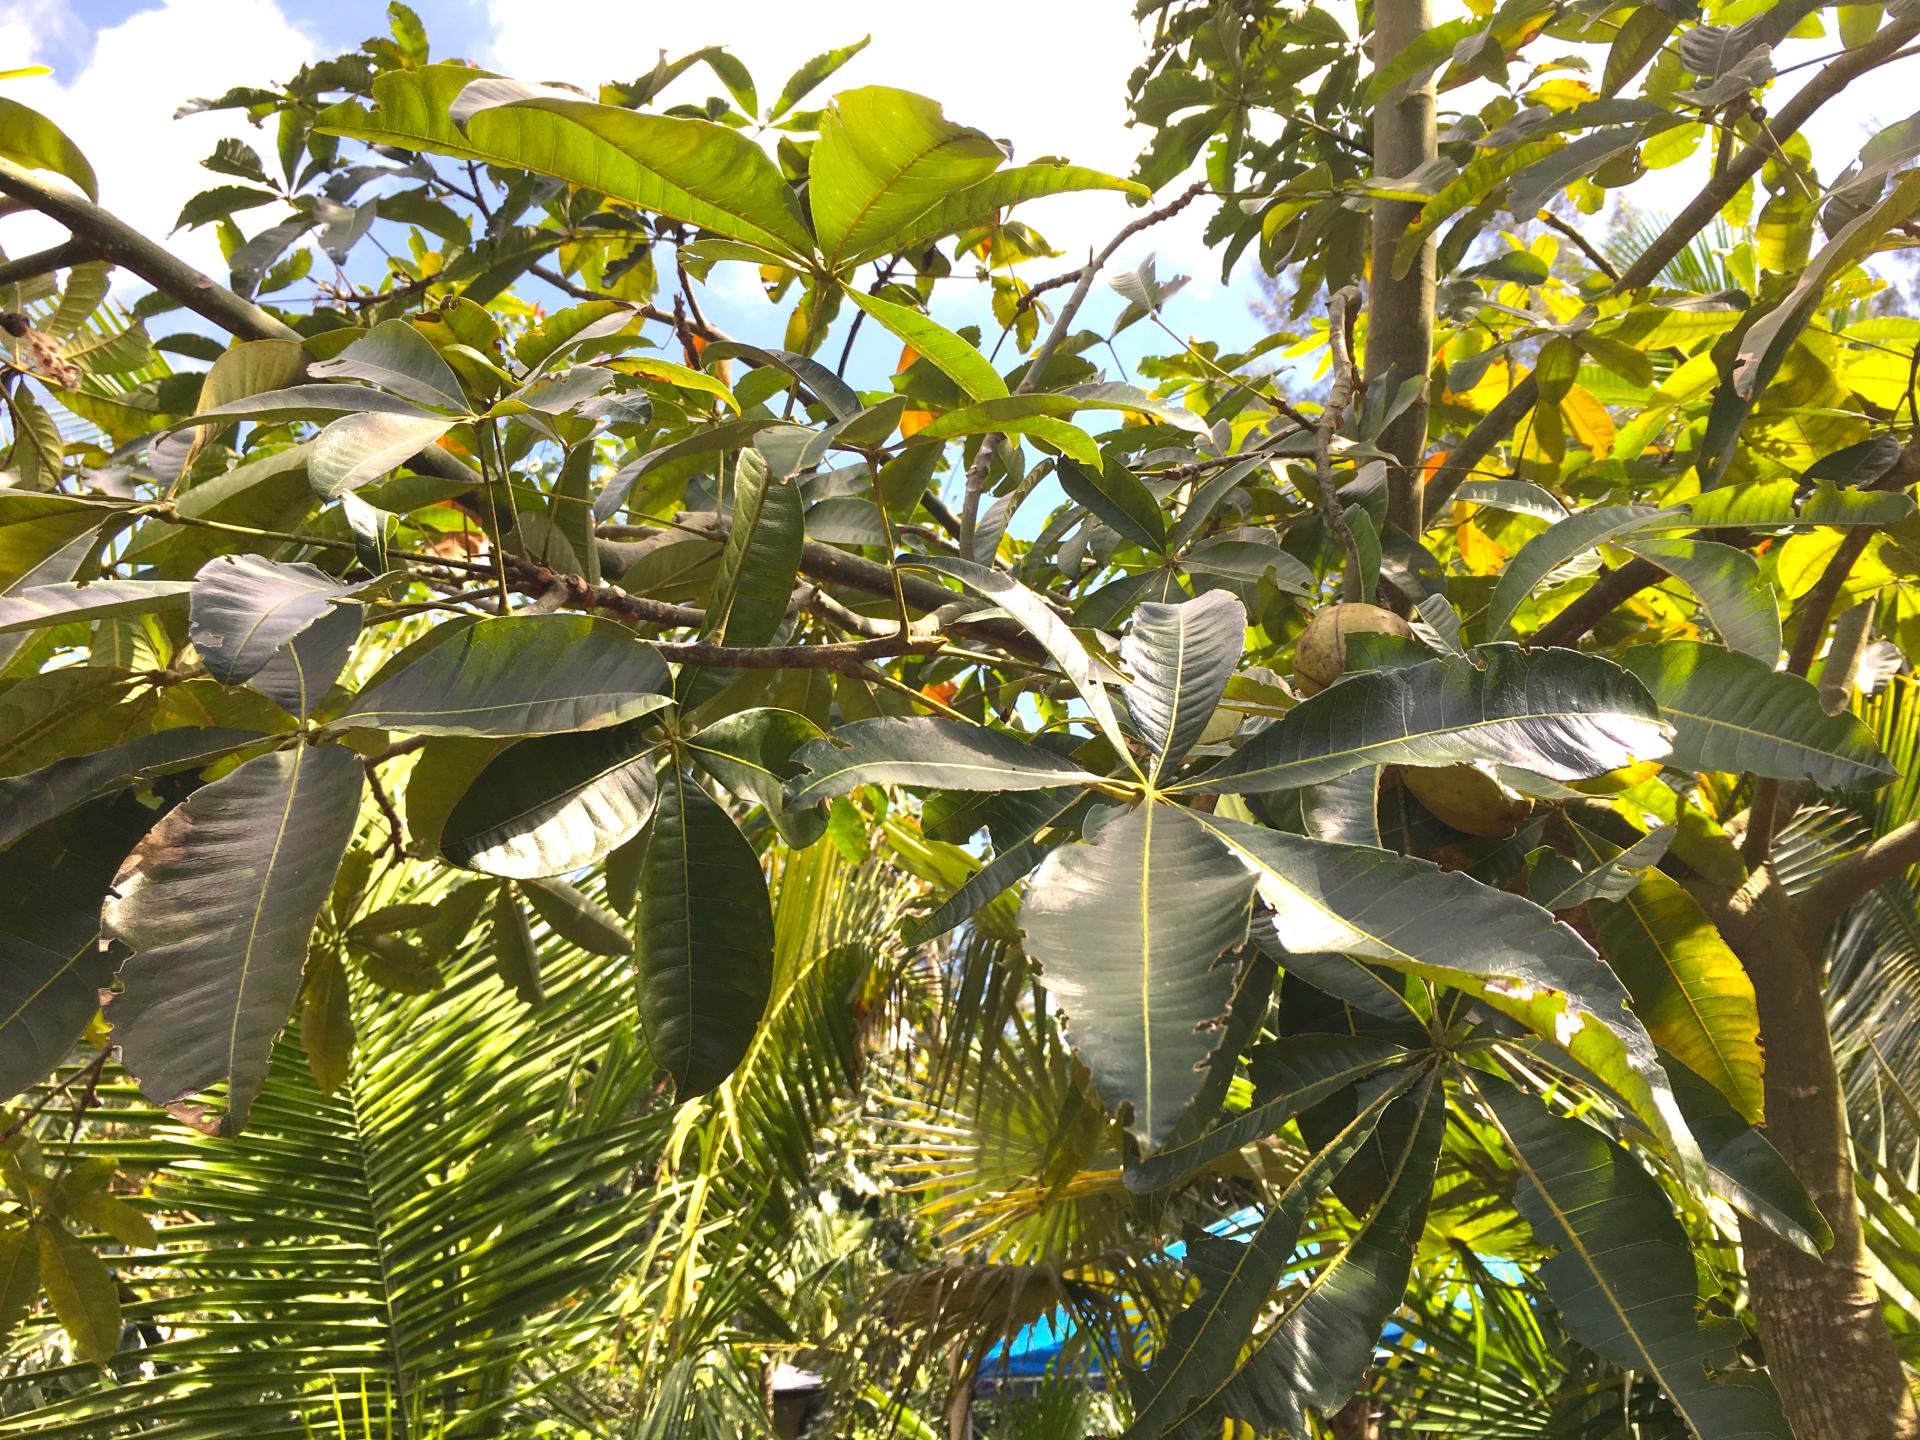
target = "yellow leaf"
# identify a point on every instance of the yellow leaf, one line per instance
(1589, 421)
(82, 1293)
(1479, 551)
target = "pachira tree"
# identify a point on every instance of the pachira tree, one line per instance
(1388, 759)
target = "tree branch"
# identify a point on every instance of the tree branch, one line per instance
(45, 262)
(1400, 307)
(1853, 879)
(976, 481)
(110, 238)
(1697, 215)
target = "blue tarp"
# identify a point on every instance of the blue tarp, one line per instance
(1032, 1354)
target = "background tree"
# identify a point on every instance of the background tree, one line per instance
(575, 727)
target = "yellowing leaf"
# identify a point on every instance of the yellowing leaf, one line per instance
(82, 1293)
(1589, 421)
(1479, 551)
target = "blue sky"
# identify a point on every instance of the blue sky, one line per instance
(1049, 77)
(122, 66)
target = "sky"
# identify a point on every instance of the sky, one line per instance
(1049, 76)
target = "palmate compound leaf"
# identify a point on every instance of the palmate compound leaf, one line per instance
(1313, 1354)
(1621, 1274)
(1181, 657)
(1558, 713)
(1413, 917)
(1303, 1071)
(1128, 925)
(703, 938)
(1038, 619)
(217, 904)
(923, 750)
(1734, 713)
(1237, 1278)
(554, 804)
(516, 675)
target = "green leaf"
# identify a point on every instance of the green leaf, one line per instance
(1181, 657)
(841, 399)
(1298, 1073)
(518, 675)
(1447, 927)
(19, 1275)
(1554, 547)
(703, 939)
(1734, 713)
(575, 917)
(356, 449)
(514, 953)
(1739, 601)
(1770, 505)
(1688, 987)
(309, 402)
(1557, 713)
(926, 751)
(34, 528)
(553, 804)
(1038, 619)
(753, 753)
(217, 904)
(1472, 185)
(1639, 38)
(1127, 926)
(1237, 1277)
(326, 1021)
(801, 83)
(1767, 340)
(84, 1298)
(44, 795)
(754, 582)
(44, 605)
(1612, 878)
(246, 607)
(940, 347)
(1424, 56)
(1623, 1277)
(1013, 415)
(1019, 852)
(884, 157)
(1315, 1353)
(31, 140)
(689, 170)
(1745, 1170)
(981, 203)
(398, 358)
(52, 968)
(1119, 498)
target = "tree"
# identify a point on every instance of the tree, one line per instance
(1486, 906)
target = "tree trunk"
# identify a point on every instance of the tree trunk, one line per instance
(1400, 315)
(1827, 1344)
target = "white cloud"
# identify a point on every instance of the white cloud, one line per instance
(1049, 76)
(119, 106)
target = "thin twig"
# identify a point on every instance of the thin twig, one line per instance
(1586, 247)
(976, 480)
